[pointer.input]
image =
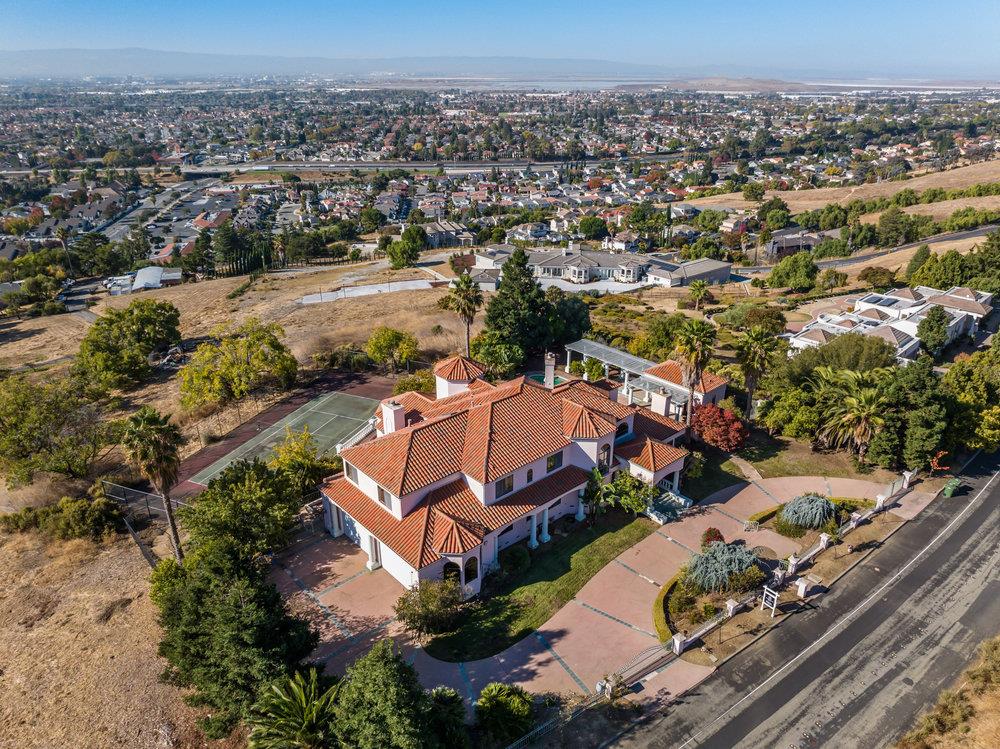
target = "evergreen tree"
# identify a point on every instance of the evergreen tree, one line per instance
(519, 313)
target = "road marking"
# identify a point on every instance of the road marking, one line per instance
(849, 615)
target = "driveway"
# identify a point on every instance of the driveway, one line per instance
(606, 624)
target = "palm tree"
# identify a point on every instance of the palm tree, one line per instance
(465, 298)
(693, 348)
(851, 405)
(150, 443)
(755, 351)
(698, 290)
(296, 714)
(63, 234)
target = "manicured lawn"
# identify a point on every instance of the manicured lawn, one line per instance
(780, 456)
(558, 570)
(719, 472)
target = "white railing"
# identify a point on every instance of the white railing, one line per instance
(359, 434)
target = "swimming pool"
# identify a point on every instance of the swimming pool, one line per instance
(541, 378)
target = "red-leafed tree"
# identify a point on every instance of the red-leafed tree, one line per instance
(719, 428)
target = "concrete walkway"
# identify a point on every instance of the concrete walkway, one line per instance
(608, 622)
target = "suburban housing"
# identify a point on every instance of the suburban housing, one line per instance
(450, 480)
(586, 266)
(895, 316)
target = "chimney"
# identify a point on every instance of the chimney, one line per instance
(393, 417)
(550, 370)
(659, 402)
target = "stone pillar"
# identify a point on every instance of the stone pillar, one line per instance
(625, 384)
(533, 540)
(676, 481)
(824, 540)
(731, 607)
(908, 477)
(569, 359)
(793, 564)
(606, 369)
(801, 587)
(778, 577)
(579, 508)
(545, 537)
(880, 503)
(677, 643)
(855, 519)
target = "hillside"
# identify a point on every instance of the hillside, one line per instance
(807, 200)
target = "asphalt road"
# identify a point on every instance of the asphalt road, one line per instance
(858, 667)
(952, 236)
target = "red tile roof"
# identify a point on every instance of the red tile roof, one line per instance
(450, 519)
(671, 371)
(650, 454)
(487, 432)
(459, 369)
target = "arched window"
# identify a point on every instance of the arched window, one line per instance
(471, 569)
(452, 571)
(531, 475)
(605, 458)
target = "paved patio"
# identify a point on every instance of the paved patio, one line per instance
(608, 622)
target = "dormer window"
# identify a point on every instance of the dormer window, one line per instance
(505, 486)
(351, 472)
(385, 497)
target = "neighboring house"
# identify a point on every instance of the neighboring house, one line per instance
(587, 266)
(532, 232)
(451, 480)
(448, 234)
(211, 219)
(895, 316)
(155, 277)
(682, 274)
(171, 250)
(789, 241)
(623, 241)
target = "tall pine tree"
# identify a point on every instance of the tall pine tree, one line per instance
(520, 312)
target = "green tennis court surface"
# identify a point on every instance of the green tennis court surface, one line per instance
(331, 418)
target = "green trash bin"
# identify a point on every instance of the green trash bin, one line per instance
(950, 487)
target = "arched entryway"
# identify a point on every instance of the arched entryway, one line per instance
(471, 569)
(452, 572)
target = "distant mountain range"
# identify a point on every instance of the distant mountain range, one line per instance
(150, 63)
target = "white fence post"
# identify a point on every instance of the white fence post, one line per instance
(677, 643)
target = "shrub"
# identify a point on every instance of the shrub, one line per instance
(682, 598)
(719, 428)
(343, 357)
(749, 579)
(576, 368)
(713, 569)
(431, 607)
(504, 712)
(808, 511)
(710, 536)
(515, 560)
(789, 530)
(69, 518)
(421, 381)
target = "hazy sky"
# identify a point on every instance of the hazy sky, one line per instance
(878, 37)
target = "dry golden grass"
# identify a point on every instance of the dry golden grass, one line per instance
(807, 200)
(78, 641)
(39, 339)
(942, 210)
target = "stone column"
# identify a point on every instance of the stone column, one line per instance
(731, 607)
(801, 587)
(824, 540)
(793, 564)
(569, 359)
(533, 540)
(545, 537)
(855, 520)
(676, 481)
(579, 508)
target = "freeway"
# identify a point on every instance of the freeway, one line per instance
(860, 665)
(453, 167)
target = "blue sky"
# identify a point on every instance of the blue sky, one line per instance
(917, 38)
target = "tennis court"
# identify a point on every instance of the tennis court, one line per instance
(331, 418)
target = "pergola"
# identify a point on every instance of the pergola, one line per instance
(609, 356)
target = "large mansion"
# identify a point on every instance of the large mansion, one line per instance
(449, 481)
